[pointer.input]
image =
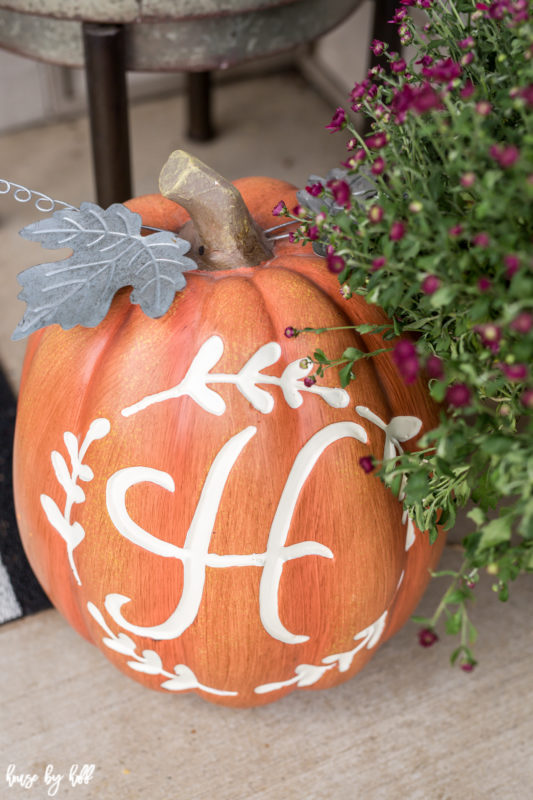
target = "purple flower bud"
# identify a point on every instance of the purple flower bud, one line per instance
(378, 262)
(505, 155)
(430, 284)
(309, 380)
(377, 47)
(484, 284)
(312, 233)
(338, 121)
(341, 192)
(468, 179)
(397, 231)
(527, 399)
(527, 95)
(427, 637)
(466, 44)
(405, 357)
(455, 230)
(434, 368)
(490, 335)
(367, 464)
(290, 332)
(483, 108)
(443, 71)
(398, 66)
(467, 90)
(315, 189)
(377, 140)
(335, 263)
(512, 263)
(523, 323)
(467, 666)
(378, 166)
(280, 209)
(375, 213)
(481, 239)
(458, 395)
(515, 372)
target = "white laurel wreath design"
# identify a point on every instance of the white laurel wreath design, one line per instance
(72, 532)
(181, 680)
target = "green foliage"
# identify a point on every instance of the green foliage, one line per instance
(448, 256)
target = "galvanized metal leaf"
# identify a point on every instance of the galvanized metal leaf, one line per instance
(108, 253)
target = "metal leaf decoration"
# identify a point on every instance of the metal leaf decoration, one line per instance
(108, 253)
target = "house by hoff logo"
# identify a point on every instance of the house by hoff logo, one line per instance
(76, 775)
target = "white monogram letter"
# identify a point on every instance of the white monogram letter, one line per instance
(194, 554)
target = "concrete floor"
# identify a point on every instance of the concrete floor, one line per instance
(408, 727)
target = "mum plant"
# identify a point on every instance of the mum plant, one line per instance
(430, 216)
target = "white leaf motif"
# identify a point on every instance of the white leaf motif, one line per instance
(120, 644)
(308, 674)
(97, 430)
(185, 679)
(404, 428)
(61, 470)
(151, 663)
(54, 515)
(289, 382)
(71, 443)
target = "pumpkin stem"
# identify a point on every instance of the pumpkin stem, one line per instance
(223, 234)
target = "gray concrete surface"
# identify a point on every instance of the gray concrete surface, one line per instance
(409, 726)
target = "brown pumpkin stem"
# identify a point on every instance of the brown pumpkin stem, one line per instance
(224, 235)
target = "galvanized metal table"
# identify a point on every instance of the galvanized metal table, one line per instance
(195, 36)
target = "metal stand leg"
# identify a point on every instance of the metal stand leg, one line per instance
(199, 106)
(108, 111)
(383, 30)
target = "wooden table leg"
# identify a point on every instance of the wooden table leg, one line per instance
(108, 111)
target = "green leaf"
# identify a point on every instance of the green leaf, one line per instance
(453, 623)
(353, 354)
(443, 296)
(425, 621)
(495, 532)
(417, 487)
(457, 596)
(477, 516)
(438, 390)
(367, 328)
(346, 374)
(496, 444)
(321, 357)
(455, 655)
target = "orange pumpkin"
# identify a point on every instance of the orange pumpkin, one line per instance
(193, 508)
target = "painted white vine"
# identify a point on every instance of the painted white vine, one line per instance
(291, 382)
(72, 532)
(399, 429)
(308, 674)
(181, 680)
